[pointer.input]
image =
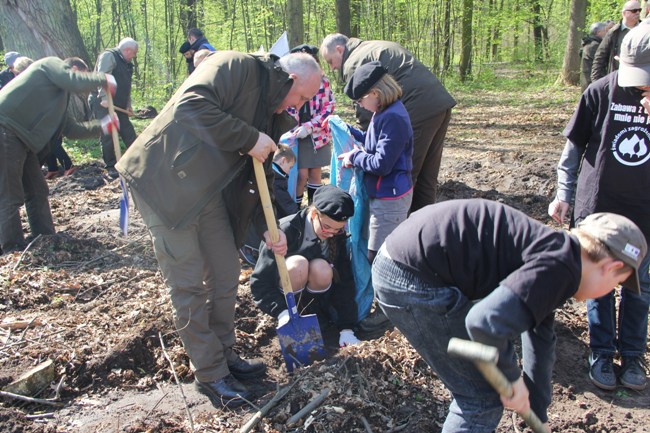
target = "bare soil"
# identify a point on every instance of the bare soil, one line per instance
(97, 306)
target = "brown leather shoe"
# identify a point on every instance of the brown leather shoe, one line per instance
(69, 171)
(52, 175)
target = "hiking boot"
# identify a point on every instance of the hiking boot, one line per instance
(601, 371)
(225, 392)
(633, 373)
(242, 368)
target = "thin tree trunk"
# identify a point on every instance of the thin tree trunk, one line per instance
(571, 63)
(466, 52)
(296, 31)
(446, 37)
(343, 17)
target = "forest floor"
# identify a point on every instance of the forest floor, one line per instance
(94, 303)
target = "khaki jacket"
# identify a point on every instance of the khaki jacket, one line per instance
(34, 105)
(197, 146)
(424, 96)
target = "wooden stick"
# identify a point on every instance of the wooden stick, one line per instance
(178, 382)
(265, 409)
(366, 424)
(40, 415)
(30, 399)
(20, 260)
(111, 112)
(122, 110)
(309, 407)
(21, 324)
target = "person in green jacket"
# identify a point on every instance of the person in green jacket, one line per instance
(191, 175)
(33, 109)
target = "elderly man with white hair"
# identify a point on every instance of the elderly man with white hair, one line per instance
(117, 61)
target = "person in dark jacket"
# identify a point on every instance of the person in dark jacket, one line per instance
(590, 44)
(387, 155)
(606, 58)
(283, 160)
(195, 42)
(191, 175)
(33, 109)
(318, 263)
(118, 62)
(480, 270)
(427, 101)
(8, 73)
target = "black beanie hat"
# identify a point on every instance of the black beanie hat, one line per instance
(334, 202)
(363, 79)
(305, 48)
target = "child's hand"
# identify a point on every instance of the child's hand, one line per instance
(519, 401)
(346, 158)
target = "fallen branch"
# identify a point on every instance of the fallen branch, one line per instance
(40, 415)
(178, 382)
(20, 259)
(309, 407)
(32, 340)
(20, 324)
(265, 409)
(30, 399)
(366, 424)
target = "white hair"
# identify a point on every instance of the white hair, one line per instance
(301, 64)
(127, 43)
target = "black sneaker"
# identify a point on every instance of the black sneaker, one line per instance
(226, 392)
(633, 373)
(249, 254)
(601, 371)
(112, 173)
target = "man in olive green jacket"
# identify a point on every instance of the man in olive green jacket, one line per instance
(427, 101)
(33, 110)
(192, 180)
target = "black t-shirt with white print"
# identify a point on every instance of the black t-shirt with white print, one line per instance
(477, 245)
(611, 126)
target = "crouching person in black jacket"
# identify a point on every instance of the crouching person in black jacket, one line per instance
(318, 263)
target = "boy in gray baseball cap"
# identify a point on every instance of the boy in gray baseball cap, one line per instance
(605, 167)
(8, 73)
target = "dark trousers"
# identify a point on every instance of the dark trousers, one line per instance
(21, 181)
(57, 156)
(428, 140)
(127, 133)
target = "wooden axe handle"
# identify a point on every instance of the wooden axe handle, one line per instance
(485, 358)
(272, 225)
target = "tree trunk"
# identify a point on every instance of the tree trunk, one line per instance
(571, 64)
(446, 38)
(466, 53)
(40, 28)
(538, 30)
(188, 15)
(296, 31)
(343, 17)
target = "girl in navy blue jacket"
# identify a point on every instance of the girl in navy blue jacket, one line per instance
(386, 157)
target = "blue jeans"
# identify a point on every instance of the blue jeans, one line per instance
(428, 317)
(632, 319)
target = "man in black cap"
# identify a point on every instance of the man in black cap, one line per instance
(318, 263)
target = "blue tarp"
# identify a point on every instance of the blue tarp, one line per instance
(351, 180)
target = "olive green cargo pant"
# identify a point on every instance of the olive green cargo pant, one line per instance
(200, 266)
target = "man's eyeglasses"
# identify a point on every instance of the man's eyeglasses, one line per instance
(634, 11)
(327, 228)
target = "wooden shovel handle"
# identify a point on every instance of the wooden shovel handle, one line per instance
(111, 112)
(272, 225)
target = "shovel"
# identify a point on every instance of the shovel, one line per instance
(485, 358)
(300, 339)
(124, 200)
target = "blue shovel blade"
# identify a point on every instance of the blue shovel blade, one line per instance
(300, 339)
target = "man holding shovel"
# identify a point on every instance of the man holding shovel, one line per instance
(480, 270)
(191, 174)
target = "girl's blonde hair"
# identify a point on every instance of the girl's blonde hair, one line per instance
(388, 91)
